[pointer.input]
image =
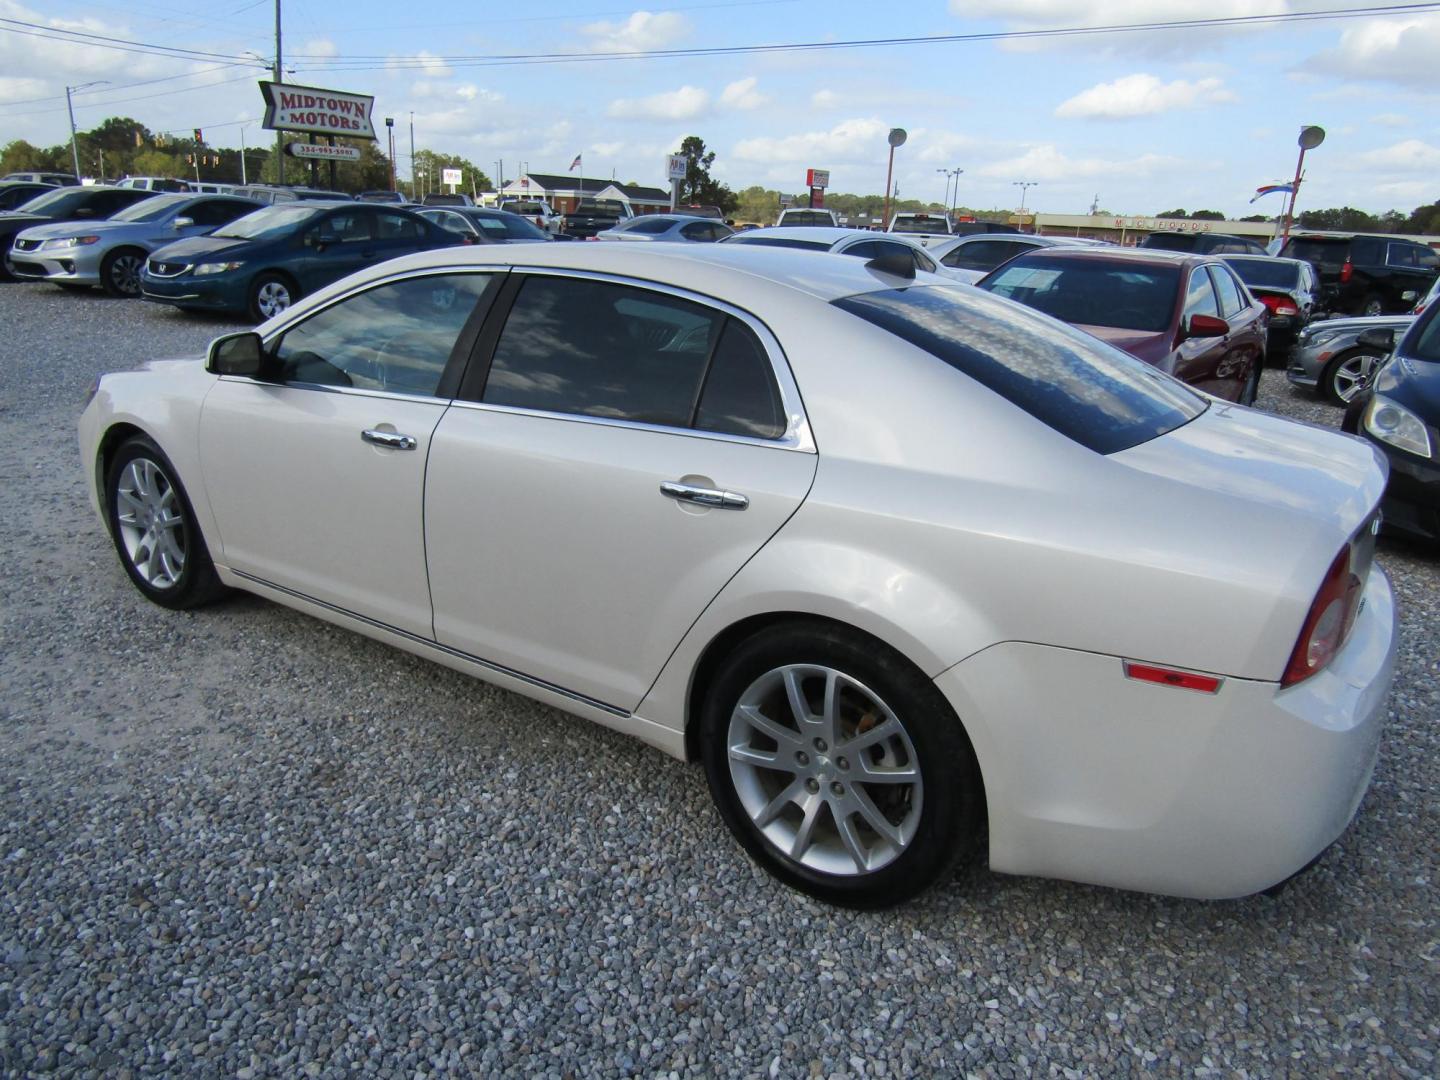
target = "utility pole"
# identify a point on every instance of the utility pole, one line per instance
(74, 145)
(412, 157)
(244, 180)
(1024, 186)
(279, 135)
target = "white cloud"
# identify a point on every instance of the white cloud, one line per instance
(1385, 50)
(425, 90)
(1143, 95)
(643, 30)
(424, 61)
(1391, 119)
(1412, 155)
(1048, 164)
(21, 89)
(741, 94)
(858, 140)
(315, 47)
(824, 99)
(685, 103)
(1052, 14)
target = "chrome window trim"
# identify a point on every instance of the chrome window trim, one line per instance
(797, 435)
(348, 391)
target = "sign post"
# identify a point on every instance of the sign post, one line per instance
(675, 168)
(451, 178)
(817, 180)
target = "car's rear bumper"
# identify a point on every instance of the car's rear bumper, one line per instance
(1099, 778)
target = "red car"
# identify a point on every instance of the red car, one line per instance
(1188, 315)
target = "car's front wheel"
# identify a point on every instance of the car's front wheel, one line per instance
(153, 526)
(270, 294)
(120, 272)
(838, 766)
(1346, 375)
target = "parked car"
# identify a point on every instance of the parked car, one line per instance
(444, 198)
(270, 194)
(154, 183)
(16, 193)
(1399, 412)
(855, 242)
(538, 212)
(54, 179)
(1202, 243)
(683, 228)
(1367, 275)
(1330, 359)
(80, 204)
(925, 229)
(482, 225)
(112, 253)
(1187, 315)
(1429, 298)
(808, 218)
(211, 187)
(969, 228)
(396, 198)
(701, 210)
(592, 216)
(901, 594)
(974, 255)
(1288, 287)
(262, 263)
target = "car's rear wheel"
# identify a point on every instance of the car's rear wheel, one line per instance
(1372, 305)
(838, 766)
(1346, 374)
(270, 294)
(153, 526)
(120, 272)
(1251, 390)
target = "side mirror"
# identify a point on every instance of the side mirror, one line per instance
(182, 223)
(236, 354)
(1206, 326)
(1377, 338)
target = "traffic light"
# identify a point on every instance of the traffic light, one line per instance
(199, 136)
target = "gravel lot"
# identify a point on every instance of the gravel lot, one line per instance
(241, 842)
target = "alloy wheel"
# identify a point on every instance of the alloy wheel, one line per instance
(125, 274)
(151, 523)
(1351, 375)
(825, 769)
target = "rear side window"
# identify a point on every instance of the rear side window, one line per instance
(595, 348)
(397, 227)
(984, 254)
(1171, 241)
(1098, 396)
(1326, 255)
(1231, 302)
(1200, 296)
(649, 226)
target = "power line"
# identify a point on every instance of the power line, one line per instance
(104, 41)
(121, 86)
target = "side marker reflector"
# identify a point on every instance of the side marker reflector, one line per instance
(1184, 680)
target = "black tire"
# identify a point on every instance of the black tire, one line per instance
(120, 272)
(185, 576)
(1337, 381)
(1373, 304)
(271, 294)
(943, 832)
(1251, 390)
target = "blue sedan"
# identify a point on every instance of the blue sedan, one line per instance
(265, 261)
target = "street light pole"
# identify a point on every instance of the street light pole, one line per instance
(1024, 186)
(74, 145)
(279, 135)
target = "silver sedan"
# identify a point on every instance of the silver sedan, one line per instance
(111, 253)
(682, 228)
(1329, 359)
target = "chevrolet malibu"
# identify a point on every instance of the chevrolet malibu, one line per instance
(915, 572)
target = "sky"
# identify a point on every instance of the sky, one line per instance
(1140, 122)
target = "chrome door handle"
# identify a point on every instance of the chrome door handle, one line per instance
(392, 439)
(721, 500)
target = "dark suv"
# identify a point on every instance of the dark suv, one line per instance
(1203, 243)
(1367, 275)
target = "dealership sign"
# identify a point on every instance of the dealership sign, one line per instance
(322, 152)
(324, 112)
(817, 178)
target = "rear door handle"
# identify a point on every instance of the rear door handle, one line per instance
(700, 496)
(391, 439)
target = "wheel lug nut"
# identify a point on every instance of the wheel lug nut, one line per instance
(820, 745)
(837, 788)
(802, 757)
(812, 785)
(842, 762)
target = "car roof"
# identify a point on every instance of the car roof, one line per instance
(731, 272)
(830, 234)
(1119, 255)
(1262, 259)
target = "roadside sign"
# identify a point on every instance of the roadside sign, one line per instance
(451, 177)
(324, 112)
(676, 166)
(322, 152)
(817, 178)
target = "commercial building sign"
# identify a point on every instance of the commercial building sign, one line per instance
(322, 152)
(324, 112)
(817, 178)
(451, 177)
(676, 166)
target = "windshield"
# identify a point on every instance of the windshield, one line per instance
(920, 225)
(648, 225)
(1090, 292)
(806, 217)
(506, 226)
(1277, 275)
(1327, 255)
(1426, 337)
(1102, 398)
(59, 201)
(524, 207)
(150, 209)
(268, 223)
(1171, 241)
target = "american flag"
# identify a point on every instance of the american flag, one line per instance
(575, 164)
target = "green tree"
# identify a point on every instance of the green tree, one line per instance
(1424, 219)
(699, 187)
(156, 163)
(1207, 215)
(1255, 217)
(1343, 219)
(1172, 214)
(757, 204)
(20, 156)
(431, 163)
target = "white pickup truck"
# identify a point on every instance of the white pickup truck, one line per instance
(534, 210)
(923, 228)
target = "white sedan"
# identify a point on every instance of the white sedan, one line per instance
(854, 242)
(909, 568)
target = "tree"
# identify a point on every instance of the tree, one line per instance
(1341, 219)
(20, 156)
(1172, 214)
(431, 163)
(1255, 217)
(699, 187)
(1207, 215)
(757, 204)
(1424, 219)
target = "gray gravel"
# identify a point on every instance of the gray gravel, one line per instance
(241, 842)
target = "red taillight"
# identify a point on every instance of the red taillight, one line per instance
(1279, 305)
(1328, 622)
(1346, 271)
